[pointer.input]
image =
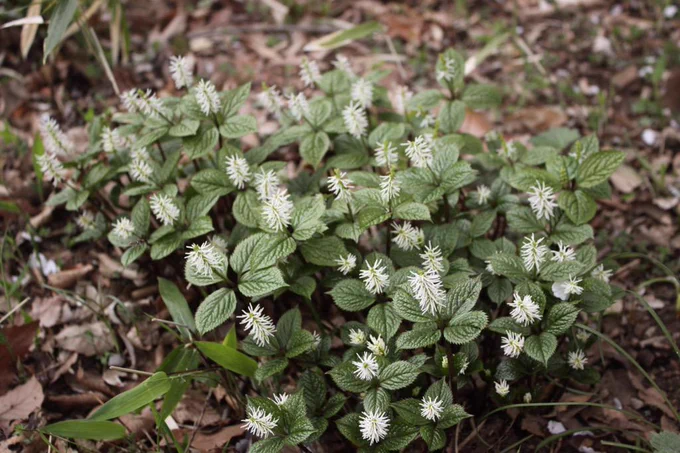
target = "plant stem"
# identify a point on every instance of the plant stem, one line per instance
(449, 358)
(160, 148)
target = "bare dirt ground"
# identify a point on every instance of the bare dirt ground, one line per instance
(605, 67)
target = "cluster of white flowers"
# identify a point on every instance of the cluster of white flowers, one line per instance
(145, 102)
(427, 120)
(389, 187)
(406, 236)
(386, 154)
(309, 72)
(374, 277)
(258, 324)
(298, 105)
(280, 399)
(366, 367)
(164, 209)
(577, 359)
(340, 186)
(362, 92)
(53, 138)
(431, 408)
(483, 194)
(542, 200)
(204, 258)
(181, 72)
(266, 184)
(427, 288)
(432, 259)
(111, 140)
(400, 97)
(139, 154)
(502, 388)
(277, 210)
(563, 289)
(512, 344)
(464, 365)
(508, 150)
(342, 63)
(346, 264)
(524, 310)
(140, 171)
(449, 69)
(85, 221)
(357, 337)
(533, 252)
(418, 151)
(238, 171)
(601, 273)
(355, 119)
(259, 422)
(271, 100)
(51, 167)
(565, 253)
(377, 345)
(207, 98)
(373, 426)
(123, 228)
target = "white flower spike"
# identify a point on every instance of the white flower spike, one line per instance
(419, 152)
(86, 221)
(374, 277)
(123, 228)
(366, 367)
(346, 264)
(207, 98)
(342, 63)
(565, 253)
(140, 171)
(164, 209)
(340, 186)
(431, 408)
(51, 167)
(298, 105)
(355, 119)
(54, 139)
(577, 360)
(601, 273)
(432, 259)
(309, 72)
(204, 258)
(427, 290)
(524, 310)
(362, 92)
(406, 236)
(181, 72)
(111, 140)
(238, 171)
(400, 97)
(277, 210)
(258, 324)
(533, 252)
(357, 337)
(271, 100)
(483, 194)
(512, 344)
(542, 200)
(280, 399)
(266, 184)
(389, 187)
(373, 426)
(377, 346)
(502, 388)
(386, 154)
(259, 423)
(562, 290)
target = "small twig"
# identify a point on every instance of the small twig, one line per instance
(130, 370)
(16, 307)
(197, 425)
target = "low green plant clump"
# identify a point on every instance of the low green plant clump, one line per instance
(455, 261)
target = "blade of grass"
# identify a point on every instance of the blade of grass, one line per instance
(624, 446)
(635, 363)
(551, 439)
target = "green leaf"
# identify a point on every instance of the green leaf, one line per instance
(411, 211)
(508, 265)
(434, 437)
(344, 377)
(451, 116)
(341, 38)
(301, 342)
(215, 310)
(419, 338)
(199, 226)
(201, 144)
(261, 282)
(441, 391)
(212, 182)
(228, 358)
(541, 347)
(271, 445)
(132, 254)
(85, 429)
(399, 435)
(555, 271)
(306, 217)
(314, 147)
(377, 399)
(200, 205)
(522, 219)
(558, 138)
(383, 318)
(240, 259)
(351, 295)
(234, 99)
(319, 111)
(561, 317)
(304, 286)
(146, 392)
(186, 128)
(349, 427)
(333, 405)
(59, 21)
(466, 327)
(570, 234)
(482, 97)
(665, 442)
(505, 323)
(409, 410)
(246, 209)
(579, 206)
(271, 368)
(481, 223)
(526, 178)
(238, 126)
(408, 307)
(452, 415)
(597, 168)
(323, 251)
(177, 305)
(300, 430)
(141, 217)
(398, 375)
(426, 100)
(271, 249)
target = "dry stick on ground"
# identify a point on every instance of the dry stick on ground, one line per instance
(474, 433)
(197, 424)
(262, 28)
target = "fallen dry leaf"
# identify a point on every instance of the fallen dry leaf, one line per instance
(88, 339)
(18, 342)
(211, 442)
(69, 277)
(21, 401)
(626, 179)
(475, 124)
(537, 119)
